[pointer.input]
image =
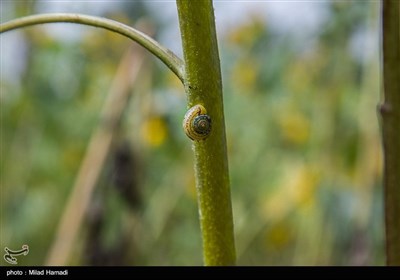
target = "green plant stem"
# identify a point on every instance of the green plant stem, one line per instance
(203, 86)
(390, 112)
(165, 55)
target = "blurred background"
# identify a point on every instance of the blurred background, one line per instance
(301, 84)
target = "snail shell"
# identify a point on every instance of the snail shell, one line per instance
(196, 123)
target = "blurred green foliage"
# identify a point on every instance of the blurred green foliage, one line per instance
(303, 143)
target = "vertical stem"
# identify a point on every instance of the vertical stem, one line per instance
(390, 112)
(203, 86)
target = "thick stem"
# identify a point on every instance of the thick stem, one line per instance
(390, 112)
(203, 86)
(165, 55)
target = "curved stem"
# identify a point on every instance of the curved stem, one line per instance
(172, 61)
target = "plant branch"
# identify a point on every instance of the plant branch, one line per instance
(172, 61)
(390, 112)
(203, 85)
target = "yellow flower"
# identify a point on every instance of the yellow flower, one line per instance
(295, 127)
(248, 33)
(154, 131)
(297, 190)
(278, 236)
(302, 186)
(244, 74)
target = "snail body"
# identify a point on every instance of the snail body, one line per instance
(196, 123)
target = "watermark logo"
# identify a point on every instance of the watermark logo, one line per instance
(9, 256)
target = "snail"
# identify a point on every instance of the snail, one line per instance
(196, 123)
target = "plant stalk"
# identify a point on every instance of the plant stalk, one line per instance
(390, 113)
(203, 86)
